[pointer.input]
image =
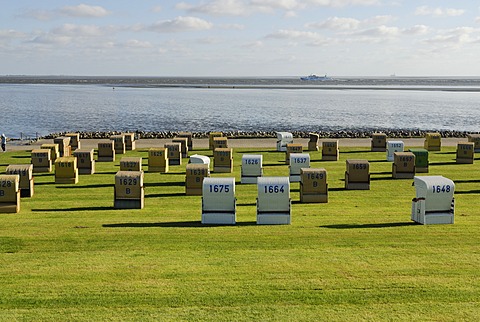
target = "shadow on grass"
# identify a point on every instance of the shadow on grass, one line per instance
(353, 152)
(379, 161)
(467, 192)
(21, 157)
(73, 209)
(162, 195)
(337, 189)
(171, 172)
(280, 163)
(445, 152)
(258, 151)
(103, 185)
(244, 204)
(433, 164)
(106, 172)
(467, 181)
(385, 178)
(43, 174)
(44, 183)
(172, 224)
(165, 184)
(381, 172)
(360, 226)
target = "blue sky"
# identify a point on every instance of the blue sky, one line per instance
(240, 38)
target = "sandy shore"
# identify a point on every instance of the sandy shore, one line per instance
(233, 143)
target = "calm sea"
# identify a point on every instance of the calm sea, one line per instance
(32, 109)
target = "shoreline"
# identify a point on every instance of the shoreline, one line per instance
(263, 143)
(327, 134)
(240, 139)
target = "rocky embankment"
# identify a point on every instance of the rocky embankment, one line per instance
(271, 134)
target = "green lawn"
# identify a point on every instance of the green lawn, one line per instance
(68, 255)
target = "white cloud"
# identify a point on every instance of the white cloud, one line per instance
(294, 34)
(41, 15)
(247, 7)
(254, 44)
(465, 35)
(79, 35)
(378, 20)
(208, 41)
(290, 14)
(109, 44)
(371, 30)
(80, 11)
(345, 24)
(181, 24)
(311, 38)
(416, 30)
(456, 36)
(320, 42)
(178, 48)
(217, 8)
(438, 12)
(349, 31)
(274, 4)
(336, 23)
(232, 26)
(157, 9)
(134, 43)
(72, 30)
(444, 39)
(83, 10)
(386, 33)
(51, 39)
(11, 34)
(344, 3)
(381, 31)
(136, 27)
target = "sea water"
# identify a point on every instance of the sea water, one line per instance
(30, 110)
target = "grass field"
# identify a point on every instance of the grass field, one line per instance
(68, 255)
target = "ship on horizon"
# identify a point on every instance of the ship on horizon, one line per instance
(313, 77)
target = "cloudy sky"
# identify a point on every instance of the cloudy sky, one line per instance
(240, 37)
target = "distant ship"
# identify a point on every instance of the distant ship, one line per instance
(313, 77)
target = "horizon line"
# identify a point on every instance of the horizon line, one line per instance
(233, 76)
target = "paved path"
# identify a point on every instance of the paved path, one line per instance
(233, 143)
